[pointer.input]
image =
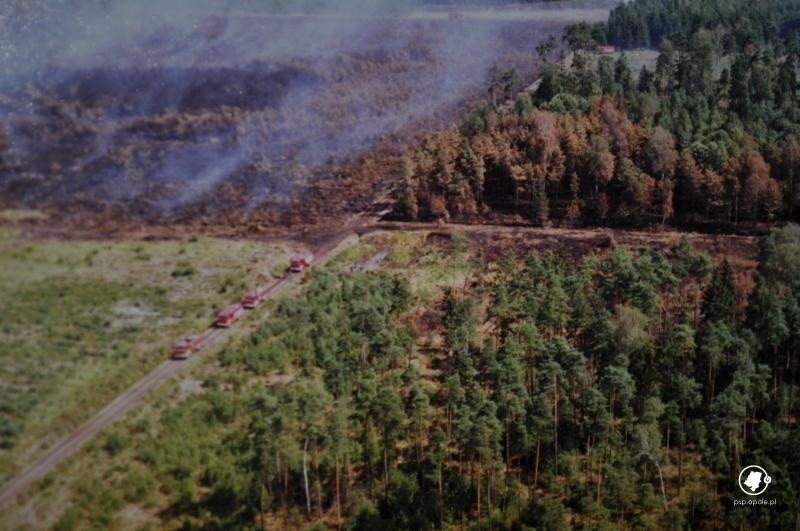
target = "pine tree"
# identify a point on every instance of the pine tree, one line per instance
(767, 319)
(719, 296)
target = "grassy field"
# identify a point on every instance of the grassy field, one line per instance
(637, 59)
(83, 320)
(647, 58)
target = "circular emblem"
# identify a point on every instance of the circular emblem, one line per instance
(754, 480)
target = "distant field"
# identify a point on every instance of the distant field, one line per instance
(529, 13)
(83, 320)
(638, 58)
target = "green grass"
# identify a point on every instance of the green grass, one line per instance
(637, 59)
(350, 255)
(83, 320)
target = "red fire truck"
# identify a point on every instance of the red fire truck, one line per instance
(187, 346)
(254, 297)
(299, 263)
(229, 315)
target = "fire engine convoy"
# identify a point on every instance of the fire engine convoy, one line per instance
(230, 315)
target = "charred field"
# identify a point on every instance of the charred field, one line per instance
(245, 124)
